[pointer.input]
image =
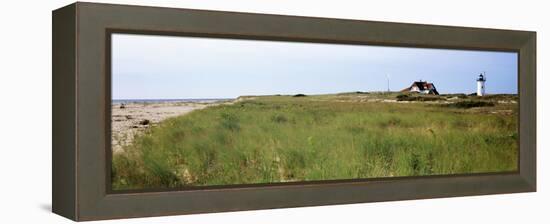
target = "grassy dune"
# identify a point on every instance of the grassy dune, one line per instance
(341, 136)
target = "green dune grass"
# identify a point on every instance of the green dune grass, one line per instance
(324, 137)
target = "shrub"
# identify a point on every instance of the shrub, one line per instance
(230, 121)
(279, 118)
(457, 95)
(405, 97)
(402, 97)
(470, 103)
(299, 95)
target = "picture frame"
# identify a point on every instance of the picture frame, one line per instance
(81, 187)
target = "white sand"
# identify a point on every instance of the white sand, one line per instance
(125, 122)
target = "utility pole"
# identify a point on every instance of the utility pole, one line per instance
(388, 78)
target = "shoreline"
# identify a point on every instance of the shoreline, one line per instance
(130, 119)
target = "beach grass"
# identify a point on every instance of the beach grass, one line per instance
(268, 139)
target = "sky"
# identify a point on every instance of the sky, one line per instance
(168, 67)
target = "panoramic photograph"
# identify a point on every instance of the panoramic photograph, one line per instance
(195, 111)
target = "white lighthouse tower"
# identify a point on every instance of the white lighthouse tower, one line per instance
(481, 85)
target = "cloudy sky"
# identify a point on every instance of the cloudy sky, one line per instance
(163, 67)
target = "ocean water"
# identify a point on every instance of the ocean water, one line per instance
(127, 101)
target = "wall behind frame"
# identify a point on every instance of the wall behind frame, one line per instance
(26, 127)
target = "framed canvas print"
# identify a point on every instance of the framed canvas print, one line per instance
(161, 111)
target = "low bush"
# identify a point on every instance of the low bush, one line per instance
(406, 97)
(470, 104)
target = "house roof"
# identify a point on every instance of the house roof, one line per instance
(422, 85)
(430, 86)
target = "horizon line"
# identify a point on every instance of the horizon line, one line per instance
(290, 94)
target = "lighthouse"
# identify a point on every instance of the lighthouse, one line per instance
(481, 85)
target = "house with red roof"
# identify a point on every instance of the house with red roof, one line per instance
(422, 87)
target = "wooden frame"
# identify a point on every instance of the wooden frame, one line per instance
(81, 107)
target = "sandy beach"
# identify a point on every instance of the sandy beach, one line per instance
(130, 119)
